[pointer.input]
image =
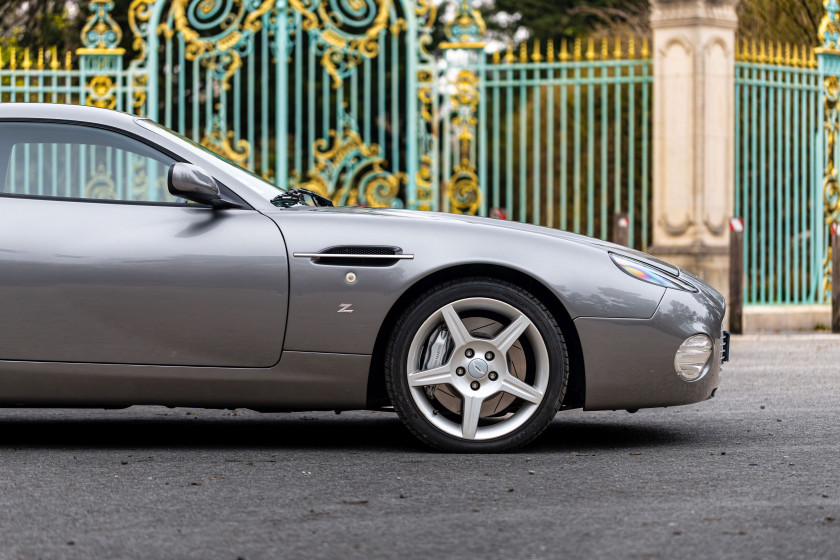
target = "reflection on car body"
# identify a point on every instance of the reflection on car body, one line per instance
(140, 268)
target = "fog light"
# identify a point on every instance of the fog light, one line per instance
(692, 357)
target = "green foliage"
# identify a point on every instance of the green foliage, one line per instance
(37, 23)
(786, 21)
(794, 21)
(40, 23)
(555, 19)
(54, 23)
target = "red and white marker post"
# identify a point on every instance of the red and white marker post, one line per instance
(621, 229)
(736, 275)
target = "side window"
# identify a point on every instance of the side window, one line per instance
(82, 162)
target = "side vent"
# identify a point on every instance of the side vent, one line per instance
(359, 256)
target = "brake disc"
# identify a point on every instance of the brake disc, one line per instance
(479, 327)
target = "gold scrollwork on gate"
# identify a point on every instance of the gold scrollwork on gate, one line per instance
(356, 171)
(425, 183)
(424, 94)
(831, 183)
(140, 180)
(139, 13)
(465, 29)
(424, 177)
(225, 143)
(101, 184)
(426, 16)
(829, 30)
(101, 32)
(235, 21)
(465, 103)
(102, 92)
(464, 191)
(426, 12)
(101, 36)
(139, 84)
(345, 33)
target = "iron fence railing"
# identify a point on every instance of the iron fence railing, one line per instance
(563, 137)
(778, 139)
(40, 77)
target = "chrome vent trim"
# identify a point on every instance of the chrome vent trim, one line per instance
(351, 256)
(357, 255)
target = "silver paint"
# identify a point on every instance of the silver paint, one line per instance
(301, 381)
(580, 274)
(630, 362)
(140, 284)
(208, 299)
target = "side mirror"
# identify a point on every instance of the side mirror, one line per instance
(193, 183)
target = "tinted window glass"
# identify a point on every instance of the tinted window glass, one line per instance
(82, 162)
(239, 173)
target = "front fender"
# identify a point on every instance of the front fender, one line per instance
(328, 314)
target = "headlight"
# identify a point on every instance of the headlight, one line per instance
(649, 274)
(692, 356)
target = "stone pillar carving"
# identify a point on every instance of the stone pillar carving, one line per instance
(693, 134)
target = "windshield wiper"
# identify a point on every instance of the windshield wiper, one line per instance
(297, 197)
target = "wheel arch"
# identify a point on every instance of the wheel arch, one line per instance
(575, 392)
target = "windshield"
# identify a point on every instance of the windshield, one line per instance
(254, 181)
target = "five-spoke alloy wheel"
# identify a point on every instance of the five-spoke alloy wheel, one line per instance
(476, 365)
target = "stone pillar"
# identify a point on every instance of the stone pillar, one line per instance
(693, 134)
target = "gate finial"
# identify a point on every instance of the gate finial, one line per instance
(466, 30)
(101, 32)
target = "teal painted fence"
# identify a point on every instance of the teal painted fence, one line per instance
(563, 136)
(49, 78)
(778, 181)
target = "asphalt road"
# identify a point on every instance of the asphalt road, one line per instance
(750, 474)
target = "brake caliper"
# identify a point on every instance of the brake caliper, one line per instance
(437, 350)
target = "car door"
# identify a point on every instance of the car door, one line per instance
(100, 264)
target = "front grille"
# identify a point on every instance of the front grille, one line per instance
(724, 348)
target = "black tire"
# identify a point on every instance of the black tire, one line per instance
(409, 323)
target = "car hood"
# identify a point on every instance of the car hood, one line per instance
(438, 217)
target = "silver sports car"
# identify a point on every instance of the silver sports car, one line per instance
(141, 268)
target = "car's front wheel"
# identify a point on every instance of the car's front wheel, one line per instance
(476, 365)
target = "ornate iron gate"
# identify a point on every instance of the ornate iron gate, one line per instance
(327, 94)
(343, 97)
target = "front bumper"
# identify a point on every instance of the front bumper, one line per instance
(629, 363)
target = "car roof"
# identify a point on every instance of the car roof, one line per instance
(64, 112)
